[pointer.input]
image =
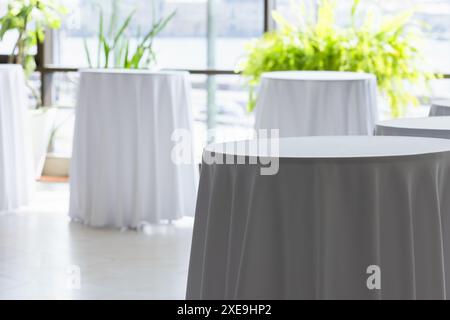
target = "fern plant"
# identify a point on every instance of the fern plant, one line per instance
(388, 50)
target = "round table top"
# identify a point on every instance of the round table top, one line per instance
(429, 123)
(133, 71)
(441, 103)
(317, 75)
(10, 66)
(333, 147)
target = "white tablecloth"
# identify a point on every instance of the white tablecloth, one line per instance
(122, 173)
(16, 168)
(440, 108)
(432, 127)
(317, 103)
(337, 206)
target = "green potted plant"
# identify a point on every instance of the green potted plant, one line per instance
(113, 46)
(388, 50)
(29, 19)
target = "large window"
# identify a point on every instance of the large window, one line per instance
(208, 37)
(183, 44)
(432, 17)
(204, 35)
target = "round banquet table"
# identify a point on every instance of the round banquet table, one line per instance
(337, 206)
(432, 127)
(122, 173)
(16, 168)
(310, 103)
(440, 108)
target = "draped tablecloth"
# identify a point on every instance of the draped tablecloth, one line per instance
(440, 108)
(338, 208)
(16, 168)
(432, 127)
(303, 103)
(122, 171)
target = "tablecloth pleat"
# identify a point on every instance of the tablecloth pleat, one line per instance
(122, 173)
(299, 106)
(440, 108)
(16, 172)
(311, 231)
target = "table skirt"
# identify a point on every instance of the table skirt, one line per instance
(122, 171)
(16, 168)
(312, 230)
(314, 108)
(440, 108)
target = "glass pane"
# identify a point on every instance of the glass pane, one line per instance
(297, 11)
(431, 16)
(237, 23)
(182, 44)
(7, 44)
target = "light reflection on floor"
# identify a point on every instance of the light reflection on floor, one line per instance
(42, 253)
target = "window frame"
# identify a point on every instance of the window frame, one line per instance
(47, 70)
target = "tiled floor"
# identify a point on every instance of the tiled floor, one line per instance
(45, 256)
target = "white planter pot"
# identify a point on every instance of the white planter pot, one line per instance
(42, 121)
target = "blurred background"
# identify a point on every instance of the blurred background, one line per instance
(207, 38)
